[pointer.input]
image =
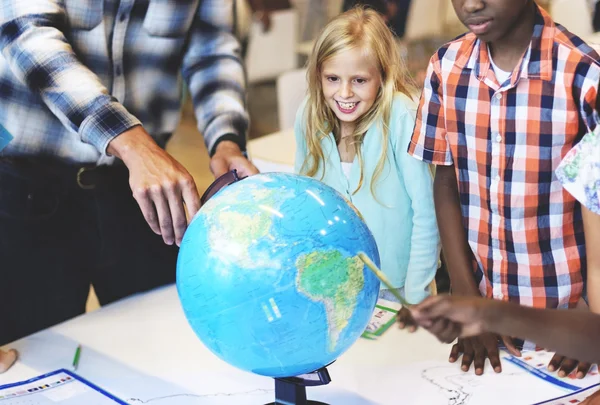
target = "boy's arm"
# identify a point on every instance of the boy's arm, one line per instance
(574, 333)
(457, 251)
(591, 224)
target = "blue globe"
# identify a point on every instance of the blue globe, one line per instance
(269, 278)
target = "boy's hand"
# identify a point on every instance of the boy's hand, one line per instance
(406, 320)
(7, 359)
(475, 350)
(593, 399)
(566, 366)
(450, 317)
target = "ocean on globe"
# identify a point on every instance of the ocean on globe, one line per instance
(269, 278)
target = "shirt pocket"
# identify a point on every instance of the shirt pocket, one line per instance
(84, 14)
(171, 19)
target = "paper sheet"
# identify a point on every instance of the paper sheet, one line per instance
(58, 387)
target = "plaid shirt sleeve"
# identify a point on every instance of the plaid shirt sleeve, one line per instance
(428, 141)
(213, 70)
(39, 55)
(588, 100)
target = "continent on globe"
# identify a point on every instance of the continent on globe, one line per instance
(334, 280)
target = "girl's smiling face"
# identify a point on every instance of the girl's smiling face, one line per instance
(351, 81)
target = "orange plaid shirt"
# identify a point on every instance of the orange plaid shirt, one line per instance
(505, 141)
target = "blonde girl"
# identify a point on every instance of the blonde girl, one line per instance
(352, 133)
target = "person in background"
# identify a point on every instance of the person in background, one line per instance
(91, 93)
(509, 231)
(352, 132)
(394, 12)
(247, 11)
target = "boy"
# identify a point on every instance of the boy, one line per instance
(501, 106)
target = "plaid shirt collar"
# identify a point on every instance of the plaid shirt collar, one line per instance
(536, 63)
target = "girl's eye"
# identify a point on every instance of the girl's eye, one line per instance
(332, 79)
(360, 81)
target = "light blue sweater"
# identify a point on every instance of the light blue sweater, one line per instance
(402, 219)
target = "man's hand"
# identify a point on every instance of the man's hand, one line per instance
(565, 366)
(160, 184)
(7, 359)
(228, 156)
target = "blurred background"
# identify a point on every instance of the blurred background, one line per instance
(277, 37)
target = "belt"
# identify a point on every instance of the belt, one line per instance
(83, 176)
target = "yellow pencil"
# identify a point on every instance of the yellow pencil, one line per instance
(382, 278)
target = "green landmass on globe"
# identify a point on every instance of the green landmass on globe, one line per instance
(334, 280)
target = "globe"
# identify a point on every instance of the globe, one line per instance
(269, 278)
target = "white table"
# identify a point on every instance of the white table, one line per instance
(142, 350)
(274, 152)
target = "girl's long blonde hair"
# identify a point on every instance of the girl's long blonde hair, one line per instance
(356, 28)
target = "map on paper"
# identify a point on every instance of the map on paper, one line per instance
(442, 383)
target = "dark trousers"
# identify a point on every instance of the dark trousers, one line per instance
(62, 230)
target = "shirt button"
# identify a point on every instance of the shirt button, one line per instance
(497, 178)
(500, 296)
(498, 138)
(118, 70)
(498, 96)
(122, 17)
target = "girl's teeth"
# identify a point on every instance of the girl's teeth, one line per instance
(347, 106)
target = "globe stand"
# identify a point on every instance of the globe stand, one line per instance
(292, 390)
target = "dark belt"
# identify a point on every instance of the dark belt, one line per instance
(84, 176)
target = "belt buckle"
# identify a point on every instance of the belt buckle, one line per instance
(80, 183)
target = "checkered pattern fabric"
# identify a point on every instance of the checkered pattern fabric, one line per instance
(505, 141)
(76, 73)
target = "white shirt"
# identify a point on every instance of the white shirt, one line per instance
(501, 75)
(347, 168)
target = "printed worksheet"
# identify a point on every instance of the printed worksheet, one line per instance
(57, 387)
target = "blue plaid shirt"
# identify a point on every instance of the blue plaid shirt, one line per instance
(76, 73)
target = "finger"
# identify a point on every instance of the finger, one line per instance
(468, 355)
(401, 317)
(406, 319)
(583, 369)
(142, 196)
(190, 195)
(164, 215)
(456, 351)
(7, 359)
(177, 213)
(510, 346)
(246, 168)
(555, 362)
(494, 355)
(567, 367)
(479, 356)
(218, 166)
